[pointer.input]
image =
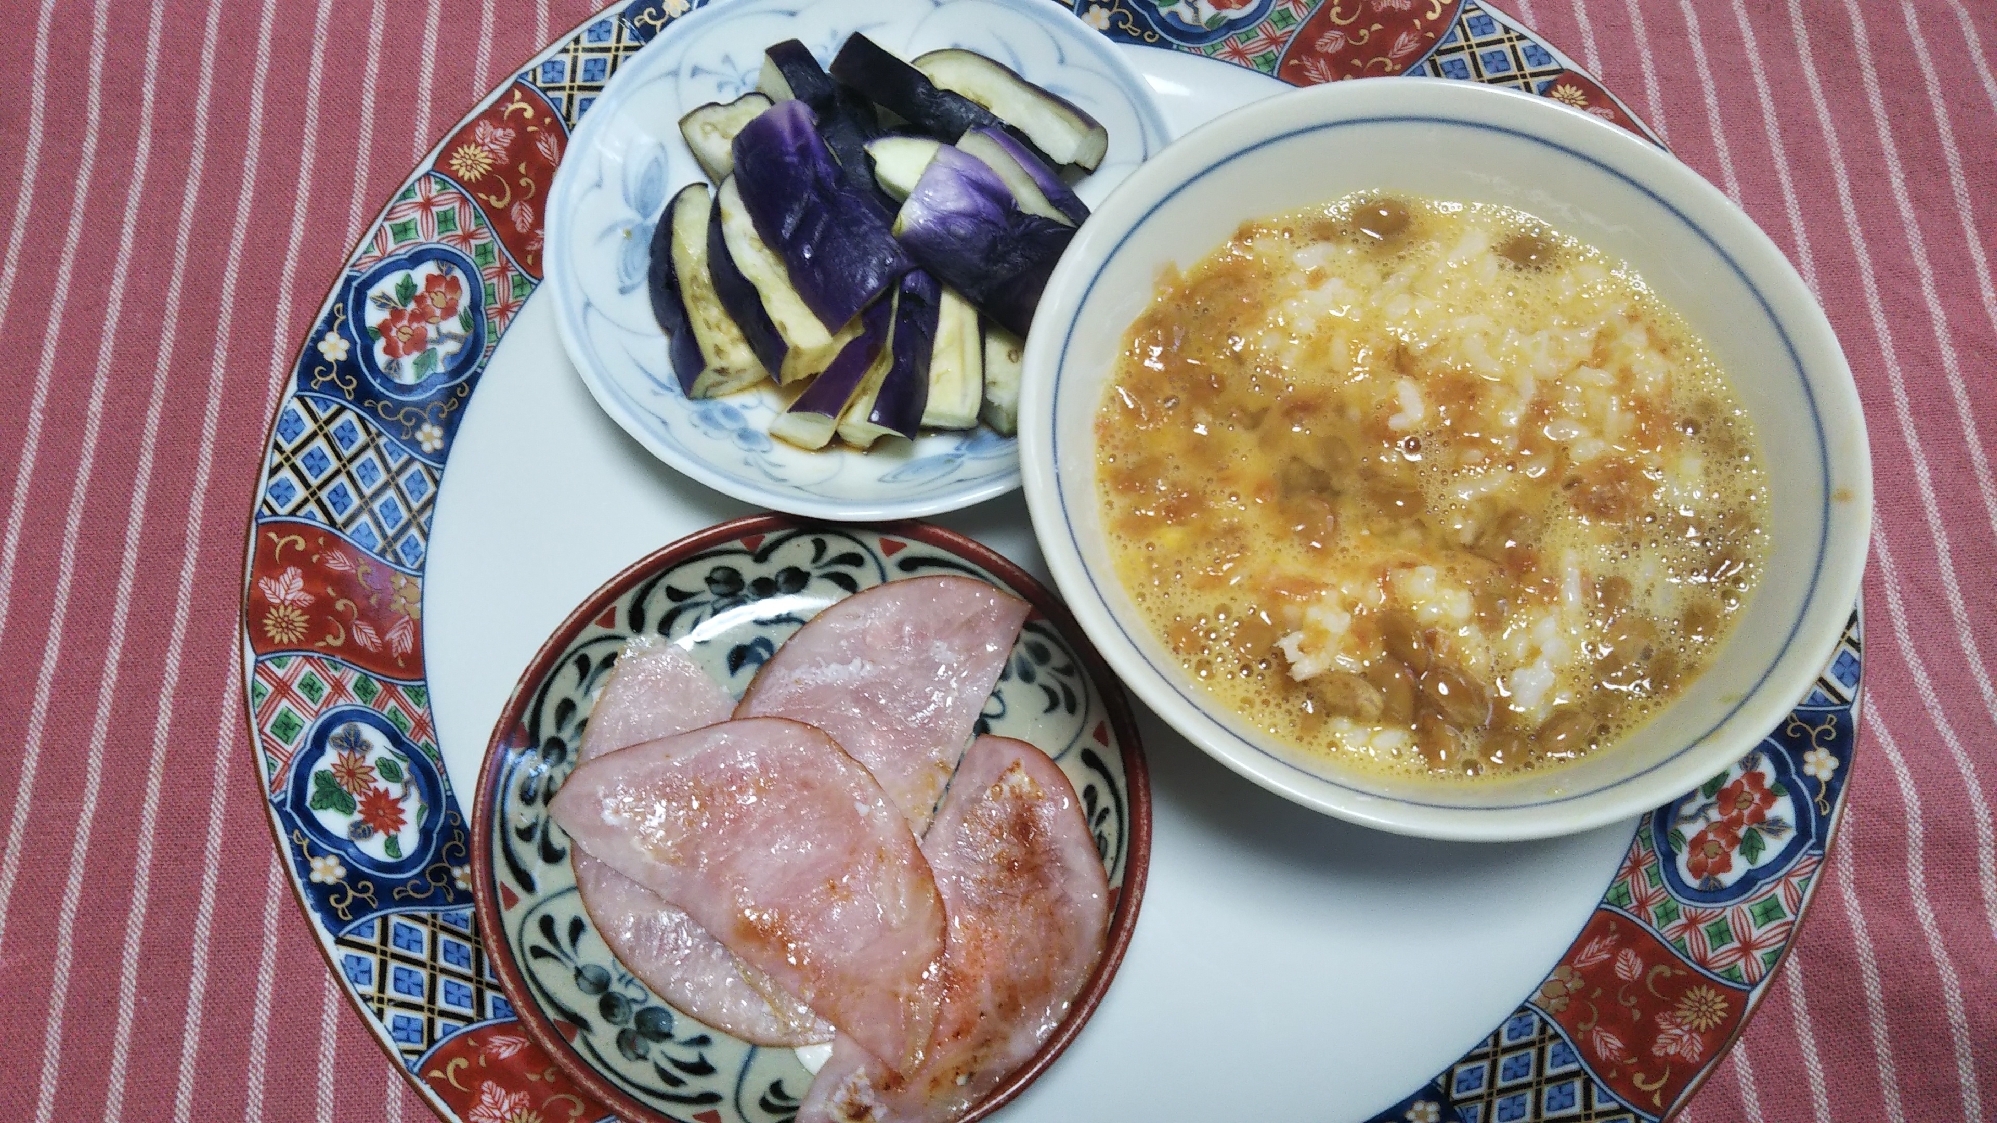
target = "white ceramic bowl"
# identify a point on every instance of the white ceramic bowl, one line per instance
(1457, 140)
(627, 159)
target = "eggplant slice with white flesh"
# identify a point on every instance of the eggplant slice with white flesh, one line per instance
(1004, 352)
(813, 418)
(899, 161)
(741, 301)
(834, 240)
(962, 224)
(1025, 189)
(710, 131)
(894, 399)
(809, 346)
(1055, 125)
(709, 353)
(1044, 179)
(956, 367)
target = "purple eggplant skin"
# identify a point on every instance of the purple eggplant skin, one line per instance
(834, 386)
(834, 239)
(668, 307)
(962, 224)
(791, 71)
(1044, 177)
(741, 300)
(906, 92)
(904, 394)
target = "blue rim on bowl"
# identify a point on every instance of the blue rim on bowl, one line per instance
(626, 159)
(1599, 183)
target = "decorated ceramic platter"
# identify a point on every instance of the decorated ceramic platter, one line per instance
(628, 158)
(418, 536)
(729, 596)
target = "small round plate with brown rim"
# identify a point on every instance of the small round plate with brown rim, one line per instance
(729, 595)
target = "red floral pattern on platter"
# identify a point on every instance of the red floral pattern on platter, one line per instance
(1746, 801)
(312, 591)
(494, 1074)
(1644, 1020)
(1571, 87)
(1364, 39)
(505, 159)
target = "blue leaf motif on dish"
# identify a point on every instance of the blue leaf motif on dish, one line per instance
(978, 444)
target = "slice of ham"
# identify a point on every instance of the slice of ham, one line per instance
(897, 674)
(1028, 905)
(656, 690)
(790, 854)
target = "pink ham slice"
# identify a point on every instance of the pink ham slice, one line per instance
(656, 691)
(1028, 906)
(788, 852)
(897, 674)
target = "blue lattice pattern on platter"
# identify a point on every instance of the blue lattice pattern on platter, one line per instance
(328, 464)
(1483, 46)
(423, 975)
(417, 967)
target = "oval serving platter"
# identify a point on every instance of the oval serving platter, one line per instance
(345, 498)
(627, 159)
(729, 596)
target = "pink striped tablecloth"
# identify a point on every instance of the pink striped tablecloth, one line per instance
(186, 178)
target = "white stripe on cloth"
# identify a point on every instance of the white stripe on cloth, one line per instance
(254, 1069)
(426, 67)
(329, 1043)
(1729, 181)
(203, 929)
(1868, 971)
(1591, 58)
(1975, 44)
(482, 59)
(1750, 1099)
(1806, 1040)
(52, 649)
(107, 690)
(364, 138)
(1924, 911)
(1806, 262)
(1647, 65)
(10, 271)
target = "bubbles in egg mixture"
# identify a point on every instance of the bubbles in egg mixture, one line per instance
(1428, 485)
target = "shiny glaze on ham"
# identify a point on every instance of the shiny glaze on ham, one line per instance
(789, 853)
(897, 674)
(656, 690)
(1028, 907)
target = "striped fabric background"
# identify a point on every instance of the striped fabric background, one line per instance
(182, 179)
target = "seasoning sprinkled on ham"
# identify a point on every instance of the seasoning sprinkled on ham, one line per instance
(1028, 908)
(656, 690)
(897, 674)
(790, 854)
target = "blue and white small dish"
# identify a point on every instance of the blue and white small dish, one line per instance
(627, 159)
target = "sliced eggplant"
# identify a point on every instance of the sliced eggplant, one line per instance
(741, 301)
(892, 402)
(1045, 180)
(899, 160)
(845, 119)
(809, 346)
(956, 367)
(662, 284)
(1003, 352)
(833, 239)
(790, 72)
(813, 418)
(1025, 191)
(1054, 124)
(963, 225)
(721, 361)
(710, 131)
(904, 91)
